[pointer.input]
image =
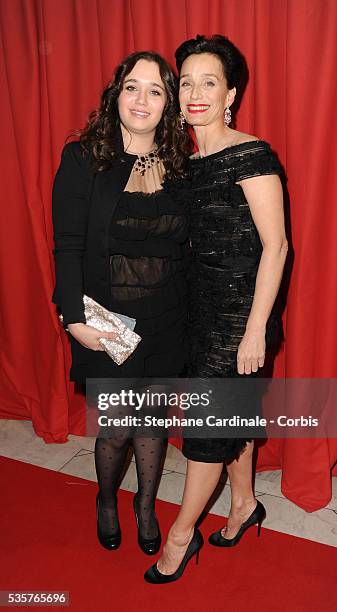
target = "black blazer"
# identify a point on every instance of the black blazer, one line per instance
(83, 203)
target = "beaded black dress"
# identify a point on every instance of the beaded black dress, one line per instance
(226, 251)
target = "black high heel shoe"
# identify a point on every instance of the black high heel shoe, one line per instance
(150, 546)
(110, 542)
(153, 574)
(257, 516)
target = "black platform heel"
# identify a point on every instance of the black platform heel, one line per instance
(110, 542)
(154, 576)
(150, 546)
(257, 516)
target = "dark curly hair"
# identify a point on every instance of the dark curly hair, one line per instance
(102, 134)
(233, 62)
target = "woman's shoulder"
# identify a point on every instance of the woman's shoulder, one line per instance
(74, 149)
(239, 138)
(251, 156)
(247, 147)
(239, 147)
(246, 142)
(75, 156)
(244, 156)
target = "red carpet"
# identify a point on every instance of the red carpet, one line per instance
(48, 542)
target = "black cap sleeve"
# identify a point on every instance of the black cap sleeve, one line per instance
(256, 160)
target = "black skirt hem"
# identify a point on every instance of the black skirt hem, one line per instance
(207, 456)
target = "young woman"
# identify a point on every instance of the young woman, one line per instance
(239, 249)
(122, 240)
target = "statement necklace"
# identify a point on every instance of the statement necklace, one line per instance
(146, 161)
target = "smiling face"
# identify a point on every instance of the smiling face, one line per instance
(203, 91)
(142, 98)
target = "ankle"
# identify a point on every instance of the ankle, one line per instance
(180, 536)
(240, 503)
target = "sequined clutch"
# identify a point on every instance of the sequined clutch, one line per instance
(119, 348)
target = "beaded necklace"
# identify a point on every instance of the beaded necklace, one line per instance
(146, 161)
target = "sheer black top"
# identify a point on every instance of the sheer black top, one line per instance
(148, 246)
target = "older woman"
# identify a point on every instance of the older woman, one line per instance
(239, 249)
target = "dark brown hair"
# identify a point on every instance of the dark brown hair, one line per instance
(233, 62)
(102, 134)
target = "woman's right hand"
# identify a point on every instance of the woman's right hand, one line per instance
(89, 336)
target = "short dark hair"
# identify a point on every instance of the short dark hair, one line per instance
(233, 62)
(102, 134)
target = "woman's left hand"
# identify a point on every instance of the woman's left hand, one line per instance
(251, 351)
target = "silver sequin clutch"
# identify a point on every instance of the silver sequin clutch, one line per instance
(119, 348)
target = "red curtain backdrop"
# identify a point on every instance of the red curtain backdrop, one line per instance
(56, 57)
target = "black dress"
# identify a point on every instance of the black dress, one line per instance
(148, 249)
(148, 278)
(226, 251)
(120, 239)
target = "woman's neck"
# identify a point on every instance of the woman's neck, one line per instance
(212, 138)
(138, 144)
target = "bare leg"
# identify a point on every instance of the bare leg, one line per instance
(201, 480)
(243, 501)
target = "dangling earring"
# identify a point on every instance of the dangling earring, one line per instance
(227, 116)
(182, 120)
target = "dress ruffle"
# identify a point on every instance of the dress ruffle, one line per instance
(150, 205)
(148, 246)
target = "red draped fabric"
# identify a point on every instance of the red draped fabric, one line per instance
(55, 59)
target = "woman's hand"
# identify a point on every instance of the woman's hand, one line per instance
(89, 336)
(251, 351)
